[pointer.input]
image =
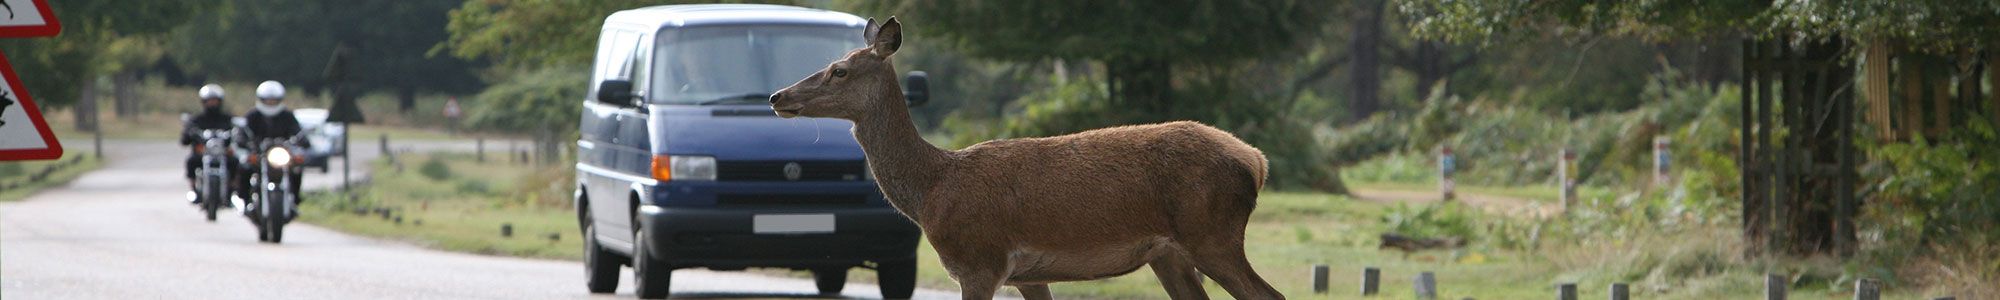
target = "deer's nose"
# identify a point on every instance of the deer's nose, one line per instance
(774, 96)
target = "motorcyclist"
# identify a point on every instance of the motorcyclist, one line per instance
(212, 117)
(271, 120)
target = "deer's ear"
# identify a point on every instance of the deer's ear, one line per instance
(868, 33)
(885, 38)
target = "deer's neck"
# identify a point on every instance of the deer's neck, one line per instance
(903, 163)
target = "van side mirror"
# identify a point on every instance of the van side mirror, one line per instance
(615, 92)
(916, 88)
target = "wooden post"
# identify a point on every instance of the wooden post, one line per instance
(1319, 279)
(1426, 286)
(1371, 281)
(1619, 291)
(1877, 62)
(1867, 289)
(1774, 287)
(479, 149)
(1566, 177)
(1566, 291)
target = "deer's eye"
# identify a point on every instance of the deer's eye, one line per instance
(839, 72)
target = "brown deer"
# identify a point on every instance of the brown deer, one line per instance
(1033, 211)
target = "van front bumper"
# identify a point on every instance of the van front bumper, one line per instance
(725, 238)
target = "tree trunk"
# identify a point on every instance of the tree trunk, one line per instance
(1364, 73)
(406, 98)
(1911, 74)
(86, 104)
(1993, 80)
(1142, 84)
(1878, 58)
(122, 94)
(1431, 68)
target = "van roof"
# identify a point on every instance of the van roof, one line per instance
(710, 14)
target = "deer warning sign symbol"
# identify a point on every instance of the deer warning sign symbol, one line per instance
(23, 134)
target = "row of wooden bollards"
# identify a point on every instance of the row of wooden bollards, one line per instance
(1425, 286)
(507, 231)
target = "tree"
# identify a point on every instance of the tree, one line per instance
(292, 41)
(534, 103)
(1784, 37)
(63, 69)
(536, 33)
(1141, 44)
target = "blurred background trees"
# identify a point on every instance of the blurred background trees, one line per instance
(1364, 90)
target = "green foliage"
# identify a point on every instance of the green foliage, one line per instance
(536, 33)
(98, 37)
(1296, 158)
(1504, 145)
(531, 101)
(1937, 192)
(294, 41)
(1431, 221)
(435, 169)
(1943, 26)
(1189, 31)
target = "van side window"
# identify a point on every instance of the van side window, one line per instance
(614, 58)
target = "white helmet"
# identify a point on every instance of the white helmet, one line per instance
(210, 91)
(270, 89)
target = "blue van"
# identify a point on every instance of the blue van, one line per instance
(682, 164)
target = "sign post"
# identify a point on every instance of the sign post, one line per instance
(23, 133)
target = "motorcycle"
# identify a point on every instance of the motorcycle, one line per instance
(212, 186)
(274, 203)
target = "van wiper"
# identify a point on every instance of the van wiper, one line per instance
(749, 96)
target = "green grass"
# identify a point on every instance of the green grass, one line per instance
(16, 173)
(460, 211)
(462, 204)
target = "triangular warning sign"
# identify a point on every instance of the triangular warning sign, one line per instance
(27, 18)
(23, 134)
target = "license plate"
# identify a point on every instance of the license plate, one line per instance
(785, 224)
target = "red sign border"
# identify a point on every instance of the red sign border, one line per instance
(49, 27)
(27, 104)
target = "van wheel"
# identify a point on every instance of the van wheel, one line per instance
(830, 280)
(652, 274)
(598, 264)
(898, 278)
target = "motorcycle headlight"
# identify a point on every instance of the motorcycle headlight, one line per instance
(278, 156)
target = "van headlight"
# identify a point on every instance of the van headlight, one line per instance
(278, 156)
(683, 167)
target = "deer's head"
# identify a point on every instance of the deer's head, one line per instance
(861, 82)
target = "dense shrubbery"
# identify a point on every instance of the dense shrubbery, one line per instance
(1296, 158)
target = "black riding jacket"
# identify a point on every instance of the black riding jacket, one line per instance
(206, 120)
(282, 125)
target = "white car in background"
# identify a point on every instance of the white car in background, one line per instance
(324, 137)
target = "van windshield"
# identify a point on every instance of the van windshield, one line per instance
(716, 64)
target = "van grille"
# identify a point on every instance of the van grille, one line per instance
(775, 171)
(815, 199)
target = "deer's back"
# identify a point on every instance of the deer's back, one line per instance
(1098, 184)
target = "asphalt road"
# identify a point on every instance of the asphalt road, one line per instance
(124, 232)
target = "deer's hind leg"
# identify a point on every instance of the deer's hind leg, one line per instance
(1178, 275)
(1215, 242)
(1035, 292)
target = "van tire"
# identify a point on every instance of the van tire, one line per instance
(898, 278)
(830, 280)
(598, 264)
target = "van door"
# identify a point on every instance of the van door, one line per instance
(603, 164)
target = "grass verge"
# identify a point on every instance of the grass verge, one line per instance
(451, 202)
(461, 204)
(15, 176)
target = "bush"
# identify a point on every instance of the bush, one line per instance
(1296, 158)
(435, 169)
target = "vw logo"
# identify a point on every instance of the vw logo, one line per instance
(793, 171)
